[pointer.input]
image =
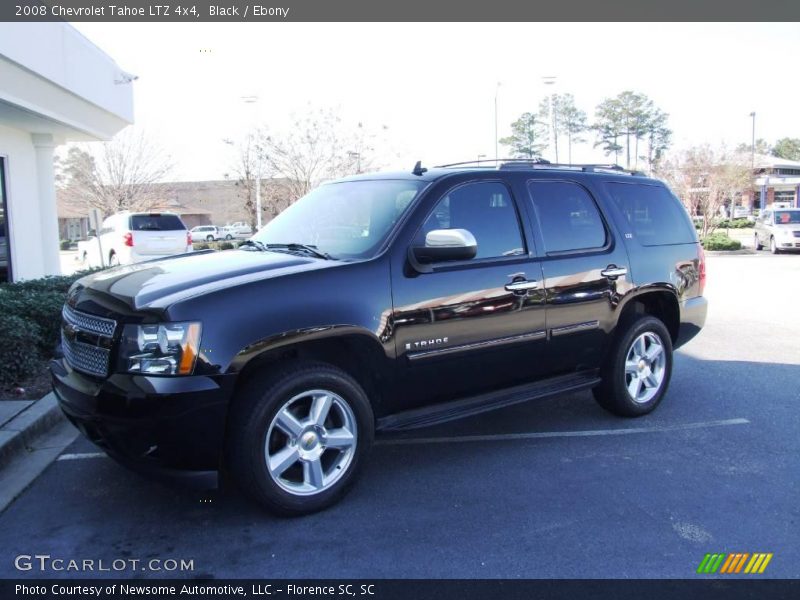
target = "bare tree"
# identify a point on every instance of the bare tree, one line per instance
(317, 147)
(249, 167)
(706, 179)
(118, 175)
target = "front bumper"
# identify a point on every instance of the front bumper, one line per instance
(693, 318)
(169, 426)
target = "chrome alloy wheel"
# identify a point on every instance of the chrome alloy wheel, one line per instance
(645, 367)
(311, 442)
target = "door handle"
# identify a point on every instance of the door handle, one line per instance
(522, 285)
(613, 271)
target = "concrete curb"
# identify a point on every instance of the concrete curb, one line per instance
(18, 434)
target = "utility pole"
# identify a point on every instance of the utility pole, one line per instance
(551, 81)
(496, 152)
(254, 100)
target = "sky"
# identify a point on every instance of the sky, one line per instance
(432, 86)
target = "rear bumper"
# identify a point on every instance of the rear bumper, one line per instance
(169, 427)
(693, 318)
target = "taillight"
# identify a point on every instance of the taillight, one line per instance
(702, 270)
(127, 239)
(188, 238)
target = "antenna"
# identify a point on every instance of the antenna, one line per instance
(418, 169)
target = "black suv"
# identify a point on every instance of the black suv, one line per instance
(383, 302)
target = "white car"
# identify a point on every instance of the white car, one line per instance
(208, 233)
(127, 238)
(239, 230)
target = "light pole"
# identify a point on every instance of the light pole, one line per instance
(480, 156)
(496, 91)
(254, 100)
(753, 161)
(550, 80)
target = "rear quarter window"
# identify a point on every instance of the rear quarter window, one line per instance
(655, 216)
(156, 223)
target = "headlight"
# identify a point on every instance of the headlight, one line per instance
(163, 349)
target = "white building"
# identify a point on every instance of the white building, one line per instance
(775, 180)
(55, 87)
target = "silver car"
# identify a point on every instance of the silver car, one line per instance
(779, 229)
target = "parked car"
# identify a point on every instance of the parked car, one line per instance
(127, 238)
(239, 230)
(209, 233)
(778, 229)
(466, 289)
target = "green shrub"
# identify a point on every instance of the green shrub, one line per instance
(19, 358)
(54, 283)
(720, 241)
(40, 307)
(226, 246)
(735, 224)
(65, 244)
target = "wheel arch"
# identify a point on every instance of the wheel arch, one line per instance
(355, 351)
(658, 301)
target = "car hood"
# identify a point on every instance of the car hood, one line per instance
(159, 283)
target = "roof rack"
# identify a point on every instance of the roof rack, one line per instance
(540, 163)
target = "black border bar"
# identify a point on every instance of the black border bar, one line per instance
(711, 588)
(167, 11)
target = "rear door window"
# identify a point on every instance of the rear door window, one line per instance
(656, 217)
(568, 217)
(156, 223)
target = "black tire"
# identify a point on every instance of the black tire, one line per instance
(773, 246)
(758, 245)
(612, 394)
(229, 237)
(209, 238)
(252, 419)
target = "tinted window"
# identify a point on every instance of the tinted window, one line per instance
(567, 216)
(655, 216)
(156, 223)
(487, 211)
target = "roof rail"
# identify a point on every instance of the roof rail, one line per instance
(541, 163)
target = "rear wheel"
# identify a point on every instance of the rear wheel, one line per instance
(113, 260)
(209, 238)
(637, 371)
(298, 437)
(229, 237)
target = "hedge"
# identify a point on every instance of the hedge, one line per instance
(736, 224)
(720, 241)
(30, 321)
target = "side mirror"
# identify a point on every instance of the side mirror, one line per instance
(446, 245)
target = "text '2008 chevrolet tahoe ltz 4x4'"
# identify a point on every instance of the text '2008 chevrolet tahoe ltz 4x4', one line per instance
(383, 302)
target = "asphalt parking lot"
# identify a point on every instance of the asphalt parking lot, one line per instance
(557, 488)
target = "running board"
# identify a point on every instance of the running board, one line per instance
(475, 405)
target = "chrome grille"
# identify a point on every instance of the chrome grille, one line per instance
(85, 340)
(88, 323)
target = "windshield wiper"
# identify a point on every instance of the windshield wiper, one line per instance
(255, 244)
(294, 247)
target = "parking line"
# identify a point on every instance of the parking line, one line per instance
(82, 455)
(559, 434)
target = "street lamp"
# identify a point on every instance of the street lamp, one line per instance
(551, 80)
(496, 91)
(753, 161)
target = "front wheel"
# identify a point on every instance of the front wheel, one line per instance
(637, 371)
(773, 247)
(209, 238)
(756, 243)
(298, 437)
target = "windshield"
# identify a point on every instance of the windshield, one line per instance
(345, 220)
(787, 216)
